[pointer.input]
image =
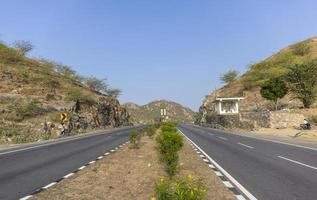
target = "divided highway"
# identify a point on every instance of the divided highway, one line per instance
(24, 170)
(268, 170)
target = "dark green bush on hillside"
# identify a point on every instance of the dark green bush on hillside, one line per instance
(302, 81)
(273, 90)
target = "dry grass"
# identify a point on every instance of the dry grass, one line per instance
(131, 174)
(192, 164)
(298, 135)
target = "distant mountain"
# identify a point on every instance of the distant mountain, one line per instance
(150, 112)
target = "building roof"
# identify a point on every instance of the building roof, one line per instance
(229, 99)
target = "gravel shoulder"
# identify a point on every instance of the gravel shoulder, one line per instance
(131, 174)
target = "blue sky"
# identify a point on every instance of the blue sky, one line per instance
(158, 49)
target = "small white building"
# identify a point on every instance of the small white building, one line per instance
(227, 106)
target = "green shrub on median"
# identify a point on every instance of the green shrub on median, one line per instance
(135, 138)
(151, 130)
(169, 143)
(182, 189)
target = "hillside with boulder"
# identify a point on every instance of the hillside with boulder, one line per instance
(34, 93)
(249, 84)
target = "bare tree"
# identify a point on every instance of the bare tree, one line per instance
(23, 47)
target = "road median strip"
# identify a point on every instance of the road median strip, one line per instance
(72, 173)
(240, 192)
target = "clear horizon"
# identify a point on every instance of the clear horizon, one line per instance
(173, 50)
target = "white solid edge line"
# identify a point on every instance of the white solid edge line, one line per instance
(49, 185)
(57, 142)
(245, 145)
(50, 143)
(26, 198)
(81, 168)
(107, 154)
(299, 163)
(100, 157)
(233, 180)
(92, 162)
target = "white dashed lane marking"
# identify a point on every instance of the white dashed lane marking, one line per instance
(299, 163)
(245, 145)
(49, 185)
(223, 138)
(68, 175)
(218, 173)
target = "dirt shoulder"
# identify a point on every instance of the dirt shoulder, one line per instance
(131, 174)
(305, 137)
(300, 135)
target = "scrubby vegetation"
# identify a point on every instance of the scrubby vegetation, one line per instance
(24, 108)
(135, 138)
(302, 81)
(34, 91)
(151, 130)
(76, 94)
(229, 77)
(313, 119)
(182, 189)
(169, 143)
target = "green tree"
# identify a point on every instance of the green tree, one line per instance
(273, 90)
(115, 92)
(65, 70)
(302, 81)
(229, 77)
(98, 85)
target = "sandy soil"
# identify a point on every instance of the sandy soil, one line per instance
(299, 135)
(131, 174)
(192, 164)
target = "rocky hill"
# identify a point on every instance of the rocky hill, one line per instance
(33, 95)
(248, 85)
(151, 112)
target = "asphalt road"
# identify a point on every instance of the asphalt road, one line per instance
(268, 170)
(24, 170)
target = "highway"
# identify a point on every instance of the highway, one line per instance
(268, 170)
(25, 170)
